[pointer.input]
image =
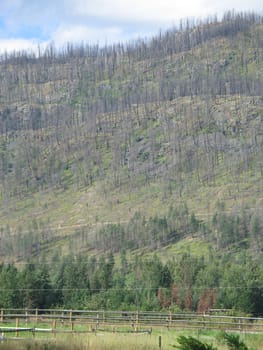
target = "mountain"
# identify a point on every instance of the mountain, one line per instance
(151, 145)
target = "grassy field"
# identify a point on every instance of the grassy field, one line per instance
(159, 339)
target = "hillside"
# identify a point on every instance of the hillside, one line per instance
(96, 144)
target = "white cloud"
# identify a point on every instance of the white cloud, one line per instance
(10, 45)
(138, 10)
(100, 21)
(81, 33)
(157, 11)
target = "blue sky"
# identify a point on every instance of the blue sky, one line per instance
(25, 24)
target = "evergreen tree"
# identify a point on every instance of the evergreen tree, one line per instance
(46, 296)
(9, 284)
(29, 289)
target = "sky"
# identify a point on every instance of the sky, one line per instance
(28, 24)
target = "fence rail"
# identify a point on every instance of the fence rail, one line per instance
(56, 321)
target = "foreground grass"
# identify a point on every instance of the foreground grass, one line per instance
(94, 342)
(117, 341)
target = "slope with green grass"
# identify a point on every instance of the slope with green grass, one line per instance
(91, 136)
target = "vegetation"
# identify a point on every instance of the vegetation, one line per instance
(128, 342)
(114, 159)
(183, 282)
(190, 343)
(233, 342)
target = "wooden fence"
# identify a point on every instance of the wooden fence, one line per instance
(74, 321)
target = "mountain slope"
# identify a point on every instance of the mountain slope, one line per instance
(91, 137)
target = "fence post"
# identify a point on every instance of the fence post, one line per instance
(160, 342)
(36, 314)
(26, 314)
(97, 321)
(137, 321)
(203, 318)
(17, 325)
(54, 326)
(2, 315)
(170, 319)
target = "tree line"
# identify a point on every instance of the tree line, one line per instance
(114, 275)
(183, 283)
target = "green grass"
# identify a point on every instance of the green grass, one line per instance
(121, 341)
(189, 245)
